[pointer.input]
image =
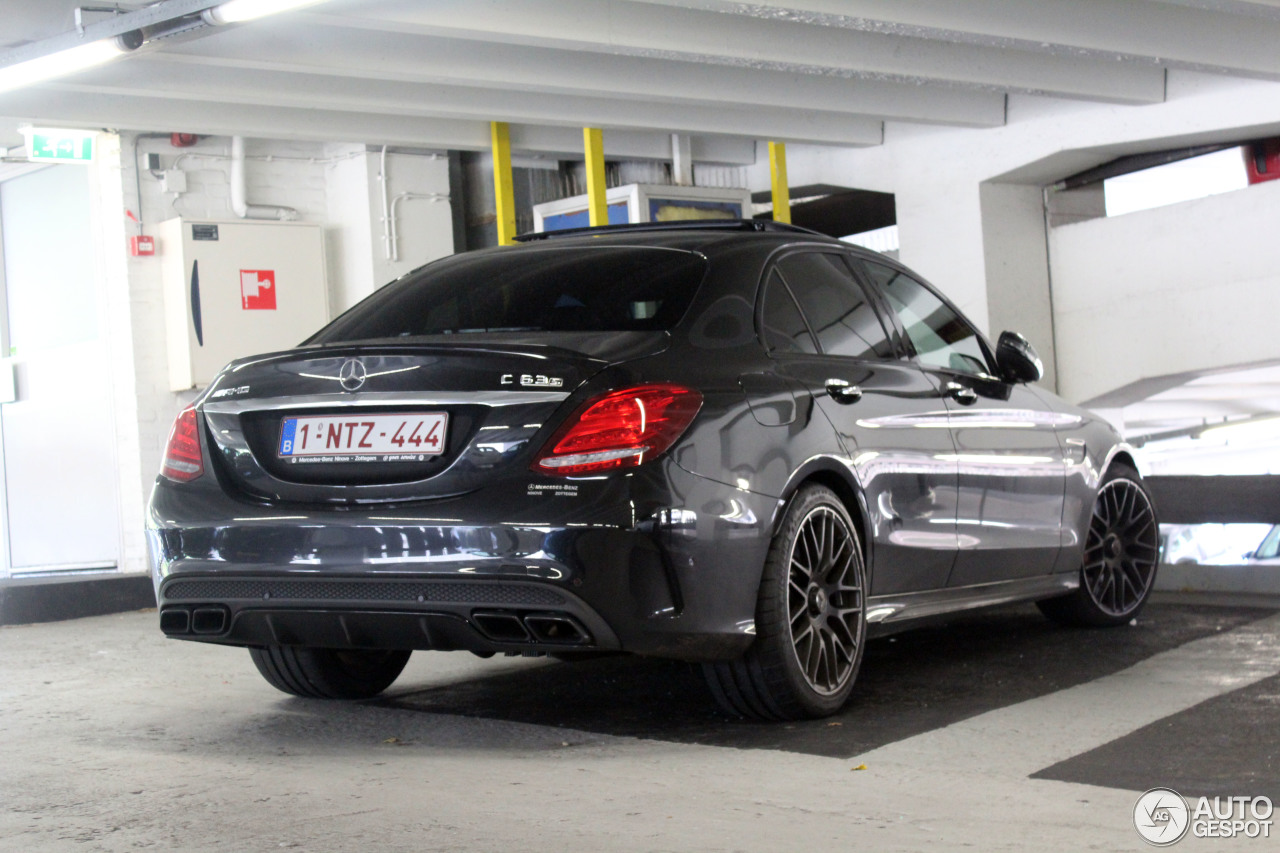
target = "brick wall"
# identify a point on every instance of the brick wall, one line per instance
(332, 184)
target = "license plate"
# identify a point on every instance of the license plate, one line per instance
(363, 438)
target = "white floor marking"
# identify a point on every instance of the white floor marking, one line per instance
(1021, 739)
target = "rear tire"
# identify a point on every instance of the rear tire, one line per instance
(1121, 554)
(810, 619)
(329, 673)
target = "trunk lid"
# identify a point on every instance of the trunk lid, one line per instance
(492, 401)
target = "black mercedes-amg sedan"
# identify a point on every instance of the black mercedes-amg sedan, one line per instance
(740, 444)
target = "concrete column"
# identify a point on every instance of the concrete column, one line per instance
(1015, 254)
(941, 235)
(681, 160)
(108, 178)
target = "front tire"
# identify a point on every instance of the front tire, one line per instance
(1121, 553)
(810, 619)
(329, 673)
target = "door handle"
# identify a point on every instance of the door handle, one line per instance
(962, 394)
(843, 392)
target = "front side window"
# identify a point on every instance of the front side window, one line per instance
(835, 305)
(1270, 547)
(941, 337)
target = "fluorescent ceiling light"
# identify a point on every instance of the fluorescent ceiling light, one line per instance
(59, 64)
(236, 11)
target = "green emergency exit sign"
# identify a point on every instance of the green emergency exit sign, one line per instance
(61, 146)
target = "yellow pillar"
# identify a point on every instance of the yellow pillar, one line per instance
(593, 146)
(503, 192)
(778, 172)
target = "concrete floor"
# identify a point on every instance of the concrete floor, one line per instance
(1000, 732)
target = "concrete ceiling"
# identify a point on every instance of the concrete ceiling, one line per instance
(728, 73)
(435, 72)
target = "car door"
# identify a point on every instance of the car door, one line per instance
(823, 331)
(1011, 466)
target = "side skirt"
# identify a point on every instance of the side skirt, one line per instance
(889, 613)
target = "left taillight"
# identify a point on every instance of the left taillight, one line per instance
(621, 429)
(183, 460)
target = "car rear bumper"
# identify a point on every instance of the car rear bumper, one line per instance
(272, 608)
(623, 568)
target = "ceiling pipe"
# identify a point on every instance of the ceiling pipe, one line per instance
(407, 196)
(239, 206)
(386, 210)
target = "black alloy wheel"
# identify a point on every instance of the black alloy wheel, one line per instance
(825, 600)
(810, 619)
(1121, 554)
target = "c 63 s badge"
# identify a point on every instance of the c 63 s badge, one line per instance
(530, 380)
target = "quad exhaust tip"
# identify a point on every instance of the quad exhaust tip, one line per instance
(501, 627)
(550, 628)
(176, 621)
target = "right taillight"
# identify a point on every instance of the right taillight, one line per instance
(183, 460)
(621, 429)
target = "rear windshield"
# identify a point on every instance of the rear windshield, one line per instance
(607, 289)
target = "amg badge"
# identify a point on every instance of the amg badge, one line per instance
(532, 380)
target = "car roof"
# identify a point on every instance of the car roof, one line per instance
(746, 225)
(686, 235)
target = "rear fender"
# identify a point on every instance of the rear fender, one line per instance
(835, 475)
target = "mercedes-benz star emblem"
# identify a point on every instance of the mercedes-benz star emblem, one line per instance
(352, 374)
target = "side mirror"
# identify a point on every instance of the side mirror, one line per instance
(1017, 359)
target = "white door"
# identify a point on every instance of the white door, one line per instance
(57, 442)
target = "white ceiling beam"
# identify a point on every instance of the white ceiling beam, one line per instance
(331, 50)
(1175, 34)
(632, 28)
(154, 77)
(123, 112)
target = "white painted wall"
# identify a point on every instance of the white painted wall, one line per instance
(358, 245)
(424, 225)
(1188, 286)
(348, 241)
(333, 184)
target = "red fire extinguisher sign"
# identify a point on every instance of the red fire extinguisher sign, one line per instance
(258, 290)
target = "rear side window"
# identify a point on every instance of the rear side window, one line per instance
(607, 289)
(835, 305)
(784, 328)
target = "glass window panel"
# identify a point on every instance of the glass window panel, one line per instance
(941, 337)
(619, 289)
(835, 305)
(784, 328)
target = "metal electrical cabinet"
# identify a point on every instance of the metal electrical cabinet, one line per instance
(238, 288)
